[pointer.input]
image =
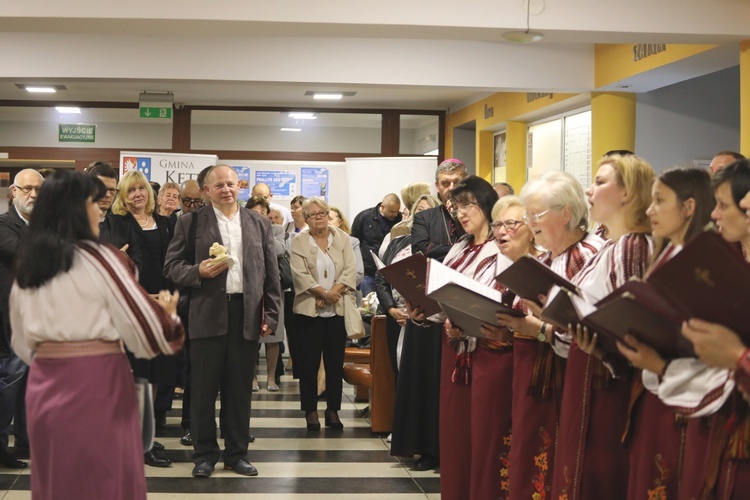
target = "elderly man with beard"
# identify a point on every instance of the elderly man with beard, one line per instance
(14, 372)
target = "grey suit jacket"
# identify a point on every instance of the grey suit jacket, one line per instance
(208, 297)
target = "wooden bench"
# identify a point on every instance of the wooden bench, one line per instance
(373, 378)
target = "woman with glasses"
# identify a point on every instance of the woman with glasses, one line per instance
(591, 460)
(323, 270)
(135, 201)
(476, 373)
(556, 217)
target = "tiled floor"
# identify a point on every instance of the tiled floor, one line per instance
(293, 464)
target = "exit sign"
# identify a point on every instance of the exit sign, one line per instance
(156, 112)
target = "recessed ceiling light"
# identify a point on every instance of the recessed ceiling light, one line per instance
(41, 90)
(330, 97)
(303, 116)
(285, 129)
(68, 109)
(329, 94)
(623, 86)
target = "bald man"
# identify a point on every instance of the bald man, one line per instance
(13, 372)
(261, 189)
(722, 159)
(191, 196)
(370, 227)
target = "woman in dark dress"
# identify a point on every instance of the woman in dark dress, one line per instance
(136, 202)
(415, 415)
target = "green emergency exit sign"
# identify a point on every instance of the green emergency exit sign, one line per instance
(156, 112)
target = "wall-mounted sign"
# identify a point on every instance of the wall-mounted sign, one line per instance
(535, 96)
(76, 132)
(165, 167)
(644, 50)
(156, 112)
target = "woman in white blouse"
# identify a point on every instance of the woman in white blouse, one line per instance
(73, 304)
(323, 269)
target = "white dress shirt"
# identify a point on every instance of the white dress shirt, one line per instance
(231, 236)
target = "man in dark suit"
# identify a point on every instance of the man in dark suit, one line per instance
(232, 303)
(434, 230)
(114, 229)
(13, 372)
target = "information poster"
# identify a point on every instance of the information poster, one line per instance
(282, 183)
(243, 174)
(314, 182)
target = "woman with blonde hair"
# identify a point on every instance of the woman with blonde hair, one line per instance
(411, 196)
(168, 199)
(136, 203)
(595, 398)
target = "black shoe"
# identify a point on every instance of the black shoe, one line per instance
(203, 469)
(251, 439)
(242, 467)
(187, 439)
(426, 462)
(158, 446)
(9, 461)
(313, 424)
(152, 459)
(333, 421)
(22, 452)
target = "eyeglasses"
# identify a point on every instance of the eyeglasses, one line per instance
(461, 207)
(113, 191)
(28, 189)
(509, 225)
(192, 202)
(317, 215)
(535, 217)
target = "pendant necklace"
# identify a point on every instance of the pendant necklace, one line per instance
(447, 232)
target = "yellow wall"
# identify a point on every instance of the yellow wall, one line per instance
(612, 123)
(614, 62)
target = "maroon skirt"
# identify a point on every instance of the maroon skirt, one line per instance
(84, 429)
(657, 442)
(534, 425)
(591, 461)
(455, 431)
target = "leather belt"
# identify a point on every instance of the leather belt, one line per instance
(234, 296)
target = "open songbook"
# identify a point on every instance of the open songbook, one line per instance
(467, 303)
(529, 278)
(709, 279)
(408, 276)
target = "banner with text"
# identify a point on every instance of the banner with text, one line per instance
(165, 167)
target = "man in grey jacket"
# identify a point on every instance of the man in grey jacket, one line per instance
(232, 304)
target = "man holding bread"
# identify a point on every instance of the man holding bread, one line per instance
(234, 300)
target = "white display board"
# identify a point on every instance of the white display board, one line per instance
(578, 147)
(165, 167)
(368, 180)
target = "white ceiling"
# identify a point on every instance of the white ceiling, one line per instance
(432, 55)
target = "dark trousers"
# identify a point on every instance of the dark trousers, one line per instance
(316, 336)
(291, 334)
(229, 358)
(13, 376)
(186, 388)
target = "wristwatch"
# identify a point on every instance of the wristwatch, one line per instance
(542, 335)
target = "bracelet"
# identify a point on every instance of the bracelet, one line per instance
(325, 295)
